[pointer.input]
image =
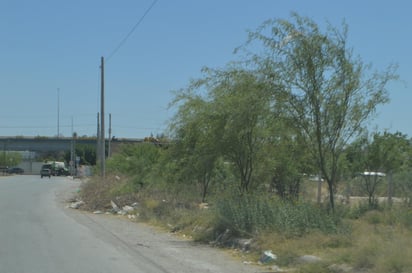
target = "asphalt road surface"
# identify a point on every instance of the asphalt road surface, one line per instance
(39, 234)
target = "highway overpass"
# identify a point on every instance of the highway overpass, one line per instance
(54, 144)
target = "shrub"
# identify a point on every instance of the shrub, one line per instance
(403, 216)
(359, 210)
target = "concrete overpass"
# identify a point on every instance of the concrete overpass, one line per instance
(54, 144)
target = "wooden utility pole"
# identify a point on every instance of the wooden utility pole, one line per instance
(58, 112)
(102, 134)
(98, 144)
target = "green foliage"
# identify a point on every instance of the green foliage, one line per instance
(306, 95)
(326, 93)
(255, 128)
(291, 161)
(403, 186)
(86, 152)
(386, 153)
(229, 122)
(359, 210)
(10, 158)
(391, 216)
(249, 214)
(136, 161)
(193, 151)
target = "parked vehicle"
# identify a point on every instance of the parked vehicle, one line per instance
(46, 170)
(15, 170)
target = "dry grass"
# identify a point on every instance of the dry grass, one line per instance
(372, 246)
(377, 241)
(381, 248)
(97, 193)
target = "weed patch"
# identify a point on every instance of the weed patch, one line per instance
(251, 214)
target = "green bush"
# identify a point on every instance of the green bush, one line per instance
(405, 216)
(395, 215)
(359, 210)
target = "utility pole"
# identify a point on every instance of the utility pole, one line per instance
(102, 133)
(72, 153)
(58, 112)
(98, 144)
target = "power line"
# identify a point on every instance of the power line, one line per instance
(122, 42)
(84, 125)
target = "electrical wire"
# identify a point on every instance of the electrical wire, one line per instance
(122, 42)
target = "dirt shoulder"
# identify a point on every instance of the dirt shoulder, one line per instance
(167, 251)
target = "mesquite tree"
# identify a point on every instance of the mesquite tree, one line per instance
(326, 92)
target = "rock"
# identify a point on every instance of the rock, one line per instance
(128, 208)
(114, 206)
(97, 212)
(243, 244)
(131, 216)
(76, 205)
(309, 259)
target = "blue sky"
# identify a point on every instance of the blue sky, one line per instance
(51, 45)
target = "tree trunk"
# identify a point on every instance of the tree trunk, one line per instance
(331, 196)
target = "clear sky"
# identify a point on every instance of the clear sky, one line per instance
(51, 47)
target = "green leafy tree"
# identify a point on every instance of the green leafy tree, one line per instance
(404, 186)
(292, 162)
(229, 121)
(243, 100)
(196, 127)
(327, 92)
(9, 159)
(86, 152)
(378, 155)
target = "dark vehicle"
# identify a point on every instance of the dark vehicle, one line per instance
(45, 171)
(15, 170)
(4, 169)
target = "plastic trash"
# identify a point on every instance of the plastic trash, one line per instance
(267, 257)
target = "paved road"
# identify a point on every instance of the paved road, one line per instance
(38, 234)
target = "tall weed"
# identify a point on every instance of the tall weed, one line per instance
(250, 214)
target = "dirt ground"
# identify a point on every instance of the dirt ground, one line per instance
(152, 247)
